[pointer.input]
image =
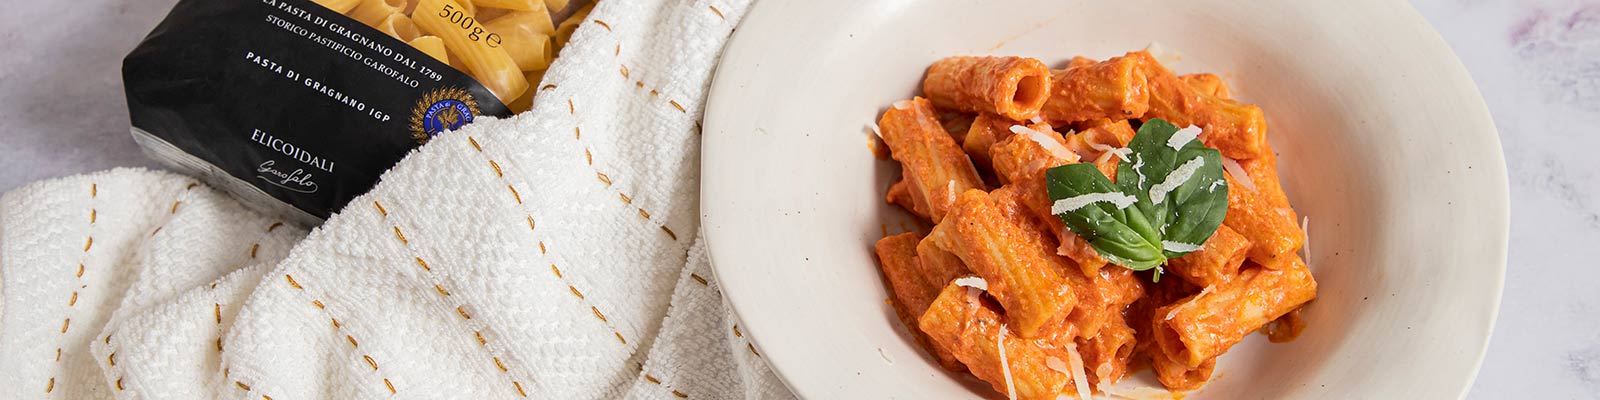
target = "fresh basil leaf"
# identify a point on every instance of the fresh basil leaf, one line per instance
(1180, 198)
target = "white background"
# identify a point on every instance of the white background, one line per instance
(1537, 64)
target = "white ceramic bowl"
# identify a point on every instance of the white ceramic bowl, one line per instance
(1384, 142)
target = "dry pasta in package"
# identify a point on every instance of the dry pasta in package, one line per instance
(297, 106)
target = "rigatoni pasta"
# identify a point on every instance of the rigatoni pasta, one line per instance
(1067, 315)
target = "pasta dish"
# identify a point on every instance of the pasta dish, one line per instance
(1087, 222)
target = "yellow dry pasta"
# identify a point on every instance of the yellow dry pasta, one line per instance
(556, 4)
(536, 21)
(433, 46)
(373, 12)
(338, 6)
(519, 5)
(399, 26)
(531, 51)
(480, 50)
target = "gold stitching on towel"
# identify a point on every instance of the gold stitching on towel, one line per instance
(474, 143)
(219, 345)
(597, 313)
(318, 303)
(441, 290)
(92, 215)
(74, 300)
(570, 108)
(603, 23)
(335, 322)
(389, 384)
(463, 311)
(94, 190)
(424, 264)
(241, 385)
(110, 359)
(58, 354)
(624, 70)
(380, 208)
(638, 84)
(374, 364)
(619, 337)
(108, 339)
(119, 383)
(652, 379)
(481, 340)
(266, 397)
(643, 213)
(352, 340)
(556, 270)
(158, 230)
(191, 186)
(80, 270)
(752, 348)
(399, 235)
(654, 93)
(617, 51)
(274, 225)
(50, 386)
(514, 193)
(678, 106)
(543, 251)
(530, 222)
(88, 243)
(575, 291)
(499, 364)
(292, 283)
(669, 232)
(719, 12)
(625, 198)
(216, 309)
(64, 324)
(497, 171)
(604, 178)
(174, 209)
(548, 86)
(253, 248)
(577, 133)
(519, 388)
(736, 332)
(589, 156)
(680, 394)
(698, 278)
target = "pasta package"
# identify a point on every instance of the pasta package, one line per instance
(297, 106)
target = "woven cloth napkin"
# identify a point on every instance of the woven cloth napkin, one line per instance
(555, 254)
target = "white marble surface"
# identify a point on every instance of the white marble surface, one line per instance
(1536, 62)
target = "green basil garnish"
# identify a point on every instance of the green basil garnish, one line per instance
(1169, 198)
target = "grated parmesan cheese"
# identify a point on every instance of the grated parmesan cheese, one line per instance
(1005, 368)
(1036, 120)
(1121, 152)
(1179, 247)
(1238, 174)
(1138, 162)
(950, 191)
(1079, 378)
(973, 281)
(1056, 364)
(1305, 226)
(1182, 137)
(1178, 176)
(902, 105)
(1049, 144)
(1216, 183)
(875, 130)
(1073, 203)
(885, 356)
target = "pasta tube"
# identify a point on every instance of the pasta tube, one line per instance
(556, 4)
(1021, 160)
(1177, 376)
(479, 49)
(531, 51)
(373, 12)
(1207, 83)
(900, 194)
(972, 330)
(1021, 274)
(536, 21)
(1014, 87)
(1262, 213)
(519, 5)
(1203, 326)
(433, 46)
(912, 289)
(1106, 355)
(985, 130)
(1236, 129)
(935, 167)
(1113, 89)
(338, 6)
(399, 26)
(1217, 262)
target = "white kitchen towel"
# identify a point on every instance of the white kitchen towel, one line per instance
(554, 254)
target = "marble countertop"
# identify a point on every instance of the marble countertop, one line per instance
(1537, 64)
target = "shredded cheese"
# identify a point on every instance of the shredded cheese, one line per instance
(1138, 163)
(1079, 378)
(1055, 148)
(1238, 174)
(885, 356)
(1158, 193)
(902, 105)
(1056, 364)
(1121, 152)
(1214, 185)
(1179, 247)
(875, 130)
(973, 281)
(1036, 120)
(1005, 368)
(1305, 226)
(1073, 203)
(950, 191)
(1182, 137)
